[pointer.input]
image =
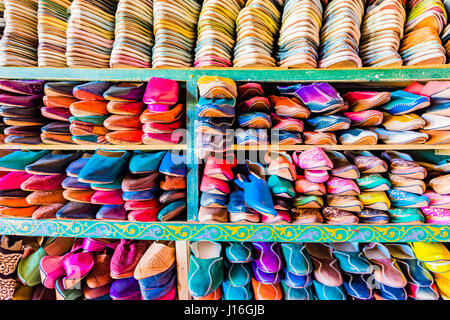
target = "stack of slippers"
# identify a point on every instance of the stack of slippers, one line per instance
(155, 188)
(215, 114)
(45, 184)
(175, 30)
(436, 118)
(164, 112)
(156, 272)
(18, 46)
(125, 105)
(93, 186)
(407, 188)
(322, 99)
(253, 110)
(13, 200)
(52, 26)
(215, 190)
(90, 33)
(299, 38)
(446, 39)
(20, 102)
(400, 118)
(372, 197)
(381, 33)
(57, 100)
(422, 44)
(438, 194)
(340, 34)
(173, 172)
(216, 33)
(257, 26)
(133, 35)
(88, 114)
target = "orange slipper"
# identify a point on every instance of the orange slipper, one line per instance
(266, 291)
(83, 196)
(125, 137)
(47, 212)
(46, 197)
(89, 108)
(125, 108)
(437, 136)
(58, 102)
(119, 122)
(14, 202)
(18, 212)
(163, 117)
(215, 295)
(173, 183)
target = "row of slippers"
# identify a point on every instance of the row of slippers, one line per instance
(354, 115)
(292, 188)
(113, 185)
(94, 269)
(310, 33)
(96, 112)
(319, 271)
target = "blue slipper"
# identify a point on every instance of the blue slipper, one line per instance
(405, 199)
(18, 160)
(297, 258)
(141, 195)
(403, 102)
(329, 123)
(252, 137)
(211, 200)
(238, 274)
(145, 162)
(406, 215)
(159, 285)
(357, 286)
(238, 252)
(236, 293)
(256, 120)
(210, 107)
(266, 277)
(297, 293)
(296, 281)
(75, 167)
(104, 166)
(172, 210)
(111, 212)
(236, 203)
(324, 292)
(173, 164)
(71, 183)
(390, 293)
(281, 187)
(350, 258)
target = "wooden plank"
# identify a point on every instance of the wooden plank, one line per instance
(254, 74)
(345, 147)
(182, 256)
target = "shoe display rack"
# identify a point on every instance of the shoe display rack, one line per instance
(192, 230)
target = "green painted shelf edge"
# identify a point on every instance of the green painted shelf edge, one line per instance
(266, 75)
(223, 232)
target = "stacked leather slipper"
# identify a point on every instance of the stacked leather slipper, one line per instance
(90, 33)
(57, 100)
(52, 26)
(299, 38)
(18, 46)
(381, 33)
(175, 30)
(340, 34)
(257, 26)
(133, 35)
(13, 200)
(216, 33)
(216, 112)
(408, 187)
(20, 103)
(422, 44)
(164, 112)
(125, 105)
(446, 39)
(88, 115)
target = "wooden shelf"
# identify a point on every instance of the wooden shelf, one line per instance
(254, 74)
(92, 147)
(346, 147)
(224, 232)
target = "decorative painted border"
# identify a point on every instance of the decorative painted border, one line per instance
(224, 232)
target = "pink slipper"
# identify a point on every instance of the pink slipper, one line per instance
(344, 187)
(313, 159)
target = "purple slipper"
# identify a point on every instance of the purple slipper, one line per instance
(267, 256)
(125, 289)
(266, 277)
(28, 87)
